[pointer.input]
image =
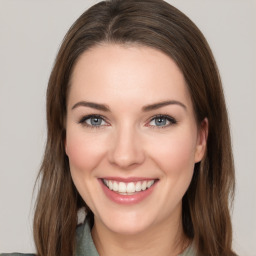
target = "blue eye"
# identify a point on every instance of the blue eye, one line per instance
(93, 121)
(162, 121)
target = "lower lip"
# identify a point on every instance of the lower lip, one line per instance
(127, 199)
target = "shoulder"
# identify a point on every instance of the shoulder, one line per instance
(84, 242)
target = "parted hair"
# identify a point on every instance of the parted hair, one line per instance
(154, 23)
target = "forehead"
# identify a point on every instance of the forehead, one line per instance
(129, 74)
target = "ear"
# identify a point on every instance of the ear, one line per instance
(201, 140)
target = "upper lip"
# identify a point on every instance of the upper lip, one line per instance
(128, 179)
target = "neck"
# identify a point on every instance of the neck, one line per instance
(165, 239)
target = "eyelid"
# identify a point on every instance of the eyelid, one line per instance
(170, 119)
(83, 120)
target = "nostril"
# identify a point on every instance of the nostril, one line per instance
(126, 150)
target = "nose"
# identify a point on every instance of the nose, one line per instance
(126, 150)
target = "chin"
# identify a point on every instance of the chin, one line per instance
(127, 224)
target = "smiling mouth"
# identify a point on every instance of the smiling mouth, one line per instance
(128, 188)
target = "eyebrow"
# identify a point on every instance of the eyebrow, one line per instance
(94, 105)
(162, 104)
(146, 108)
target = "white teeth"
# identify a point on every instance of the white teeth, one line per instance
(122, 187)
(150, 183)
(144, 185)
(115, 186)
(110, 185)
(138, 186)
(128, 188)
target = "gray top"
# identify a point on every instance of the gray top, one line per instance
(85, 245)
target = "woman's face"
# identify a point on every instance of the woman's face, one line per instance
(131, 136)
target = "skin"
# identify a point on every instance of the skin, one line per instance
(129, 143)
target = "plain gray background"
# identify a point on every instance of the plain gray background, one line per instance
(30, 35)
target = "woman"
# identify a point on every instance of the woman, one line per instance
(138, 136)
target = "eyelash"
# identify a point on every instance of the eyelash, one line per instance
(85, 118)
(171, 120)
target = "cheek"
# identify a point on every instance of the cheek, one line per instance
(84, 152)
(175, 154)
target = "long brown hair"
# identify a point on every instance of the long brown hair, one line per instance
(153, 23)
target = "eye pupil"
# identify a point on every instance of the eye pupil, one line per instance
(96, 121)
(160, 121)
